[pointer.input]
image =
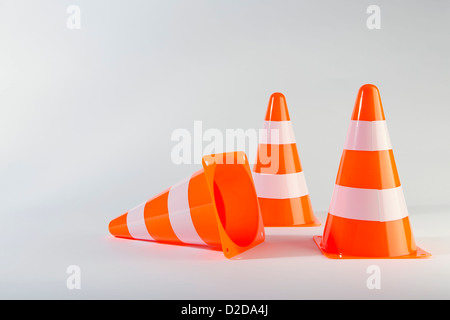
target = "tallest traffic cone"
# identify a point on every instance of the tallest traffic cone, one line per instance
(368, 217)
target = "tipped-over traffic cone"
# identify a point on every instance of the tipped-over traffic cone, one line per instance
(278, 176)
(217, 206)
(368, 217)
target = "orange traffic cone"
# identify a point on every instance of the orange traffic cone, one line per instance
(368, 217)
(278, 176)
(217, 207)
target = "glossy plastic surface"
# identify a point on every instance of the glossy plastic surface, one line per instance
(217, 207)
(278, 174)
(368, 215)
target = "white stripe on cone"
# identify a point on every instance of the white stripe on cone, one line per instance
(368, 204)
(180, 214)
(280, 186)
(368, 136)
(136, 223)
(277, 132)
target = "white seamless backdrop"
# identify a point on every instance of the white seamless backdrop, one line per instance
(86, 117)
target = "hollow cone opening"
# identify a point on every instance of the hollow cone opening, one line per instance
(236, 203)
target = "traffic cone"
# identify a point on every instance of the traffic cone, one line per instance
(216, 207)
(368, 217)
(279, 180)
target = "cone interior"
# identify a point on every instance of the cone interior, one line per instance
(236, 203)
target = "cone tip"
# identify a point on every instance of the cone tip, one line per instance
(111, 226)
(277, 95)
(118, 227)
(277, 109)
(368, 106)
(369, 86)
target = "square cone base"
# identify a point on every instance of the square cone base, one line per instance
(242, 227)
(418, 254)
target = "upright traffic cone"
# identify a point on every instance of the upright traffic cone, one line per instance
(216, 207)
(279, 180)
(368, 217)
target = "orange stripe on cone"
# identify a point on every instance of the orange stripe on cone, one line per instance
(368, 169)
(296, 205)
(377, 238)
(278, 175)
(368, 215)
(201, 207)
(287, 154)
(217, 206)
(157, 221)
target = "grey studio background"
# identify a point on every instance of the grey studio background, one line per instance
(86, 117)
